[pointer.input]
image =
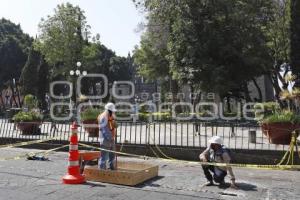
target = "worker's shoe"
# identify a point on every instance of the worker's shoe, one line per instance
(222, 184)
(208, 183)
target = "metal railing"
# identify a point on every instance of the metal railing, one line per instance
(235, 135)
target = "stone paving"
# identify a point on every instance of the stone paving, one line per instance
(26, 180)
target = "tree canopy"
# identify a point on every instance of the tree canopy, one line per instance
(64, 41)
(219, 45)
(14, 49)
(61, 37)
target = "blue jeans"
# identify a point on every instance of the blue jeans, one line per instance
(218, 174)
(107, 156)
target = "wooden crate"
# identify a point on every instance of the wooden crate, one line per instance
(128, 173)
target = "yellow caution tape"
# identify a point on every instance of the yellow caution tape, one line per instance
(169, 159)
(253, 166)
(25, 143)
(46, 152)
(116, 152)
(14, 158)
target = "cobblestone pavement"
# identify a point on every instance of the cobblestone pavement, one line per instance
(26, 180)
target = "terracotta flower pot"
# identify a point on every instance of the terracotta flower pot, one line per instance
(279, 132)
(91, 127)
(29, 128)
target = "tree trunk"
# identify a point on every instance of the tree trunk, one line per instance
(19, 99)
(174, 90)
(246, 92)
(295, 37)
(2, 102)
(260, 97)
(274, 81)
(228, 104)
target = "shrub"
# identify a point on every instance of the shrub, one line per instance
(230, 114)
(184, 114)
(30, 101)
(90, 114)
(27, 117)
(143, 116)
(162, 116)
(269, 109)
(155, 116)
(282, 116)
(122, 114)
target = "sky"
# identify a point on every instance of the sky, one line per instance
(115, 20)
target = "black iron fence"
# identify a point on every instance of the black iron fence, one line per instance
(236, 135)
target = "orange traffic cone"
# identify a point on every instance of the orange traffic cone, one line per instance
(73, 176)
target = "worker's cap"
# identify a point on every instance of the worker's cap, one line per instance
(215, 140)
(111, 107)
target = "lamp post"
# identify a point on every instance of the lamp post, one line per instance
(136, 108)
(190, 83)
(168, 78)
(75, 74)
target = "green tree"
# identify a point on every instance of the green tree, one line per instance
(150, 56)
(218, 45)
(29, 76)
(100, 60)
(61, 38)
(295, 36)
(42, 82)
(14, 49)
(35, 77)
(278, 33)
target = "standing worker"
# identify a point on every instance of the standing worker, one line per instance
(107, 127)
(218, 153)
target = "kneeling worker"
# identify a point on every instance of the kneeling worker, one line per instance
(107, 129)
(217, 153)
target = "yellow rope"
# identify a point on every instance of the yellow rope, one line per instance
(290, 151)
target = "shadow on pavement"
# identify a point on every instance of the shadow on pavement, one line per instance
(94, 184)
(150, 182)
(241, 186)
(247, 187)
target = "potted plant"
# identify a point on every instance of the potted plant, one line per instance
(277, 123)
(90, 122)
(28, 122)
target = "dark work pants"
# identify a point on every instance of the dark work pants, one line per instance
(218, 174)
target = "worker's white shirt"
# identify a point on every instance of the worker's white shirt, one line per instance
(218, 157)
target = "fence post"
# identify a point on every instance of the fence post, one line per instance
(252, 136)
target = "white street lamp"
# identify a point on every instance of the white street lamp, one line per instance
(72, 72)
(77, 72)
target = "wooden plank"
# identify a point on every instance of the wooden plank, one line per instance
(128, 173)
(89, 155)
